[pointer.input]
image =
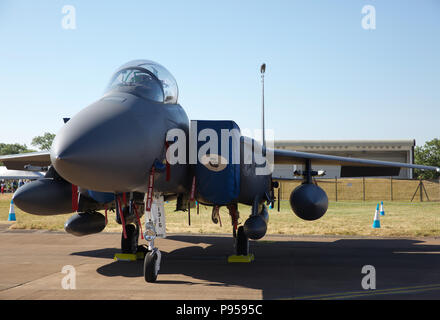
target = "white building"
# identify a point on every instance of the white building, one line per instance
(385, 150)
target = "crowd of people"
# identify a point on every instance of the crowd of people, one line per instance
(10, 186)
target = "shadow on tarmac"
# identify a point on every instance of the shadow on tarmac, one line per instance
(295, 269)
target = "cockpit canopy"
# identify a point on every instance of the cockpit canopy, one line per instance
(147, 79)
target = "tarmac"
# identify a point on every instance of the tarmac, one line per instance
(195, 267)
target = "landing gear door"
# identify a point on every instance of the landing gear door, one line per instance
(157, 215)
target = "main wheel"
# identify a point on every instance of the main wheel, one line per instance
(130, 245)
(241, 242)
(151, 267)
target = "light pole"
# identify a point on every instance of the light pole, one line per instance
(262, 71)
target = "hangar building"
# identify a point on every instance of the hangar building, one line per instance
(385, 150)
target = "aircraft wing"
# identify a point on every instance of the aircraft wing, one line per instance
(350, 167)
(19, 174)
(33, 161)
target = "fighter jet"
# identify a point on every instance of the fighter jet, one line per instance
(135, 148)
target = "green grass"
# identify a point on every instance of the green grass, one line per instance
(354, 218)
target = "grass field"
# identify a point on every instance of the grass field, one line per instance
(343, 218)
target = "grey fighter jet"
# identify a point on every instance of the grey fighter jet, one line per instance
(136, 144)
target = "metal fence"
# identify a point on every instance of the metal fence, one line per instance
(365, 189)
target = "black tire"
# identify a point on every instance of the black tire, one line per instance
(130, 245)
(150, 273)
(241, 242)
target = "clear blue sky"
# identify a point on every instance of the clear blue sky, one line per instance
(327, 77)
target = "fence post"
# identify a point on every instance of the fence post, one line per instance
(363, 186)
(336, 188)
(391, 188)
(279, 195)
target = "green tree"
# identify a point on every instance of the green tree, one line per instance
(13, 148)
(428, 155)
(43, 142)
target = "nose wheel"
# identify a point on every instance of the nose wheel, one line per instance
(152, 265)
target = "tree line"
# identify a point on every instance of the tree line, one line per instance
(43, 142)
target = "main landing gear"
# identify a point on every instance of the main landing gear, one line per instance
(130, 244)
(254, 228)
(130, 220)
(130, 248)
(241, 241)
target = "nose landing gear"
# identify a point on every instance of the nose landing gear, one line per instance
(153, 257)
(154, 227)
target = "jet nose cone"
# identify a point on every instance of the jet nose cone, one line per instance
(104, 148)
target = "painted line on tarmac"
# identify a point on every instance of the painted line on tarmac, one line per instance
(366, 293)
